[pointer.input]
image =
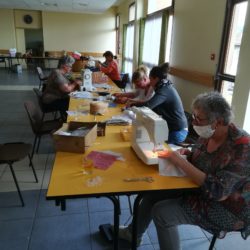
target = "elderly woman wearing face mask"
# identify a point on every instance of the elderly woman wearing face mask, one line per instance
(219, 164)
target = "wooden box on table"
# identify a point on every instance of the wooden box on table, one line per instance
(75, 137)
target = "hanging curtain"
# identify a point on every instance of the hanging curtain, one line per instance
(129, 47)
(164, 33)
(141, 41)
(152, 40)
(124, 44)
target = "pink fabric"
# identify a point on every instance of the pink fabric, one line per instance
(101, 160)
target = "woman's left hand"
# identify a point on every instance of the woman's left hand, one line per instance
(174, 156)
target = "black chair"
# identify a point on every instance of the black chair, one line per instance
(192, 135)
(245, 193)
(124, 81)
(44, 108)
(38, 125)
(13, 152)
(41, 76)
(2, 60)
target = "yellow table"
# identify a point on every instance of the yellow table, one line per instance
(67, 180)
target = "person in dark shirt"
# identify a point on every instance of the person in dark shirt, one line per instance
(58, 87)
(167, 103)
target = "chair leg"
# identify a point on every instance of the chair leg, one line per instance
(17, 186)
(34, 146)
(212, 242)
(33, 169)
(38, 144)
(130, 205)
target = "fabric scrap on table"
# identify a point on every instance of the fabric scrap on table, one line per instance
(102, 160)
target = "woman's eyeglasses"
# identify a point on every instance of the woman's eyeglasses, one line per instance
(198, 119)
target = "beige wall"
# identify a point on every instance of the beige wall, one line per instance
(196, 34)
(81, 32)
(7, 29)
(36, 16)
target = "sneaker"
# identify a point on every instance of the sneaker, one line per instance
(125, 234)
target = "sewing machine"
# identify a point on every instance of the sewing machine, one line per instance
(149, 132)
(87, 80)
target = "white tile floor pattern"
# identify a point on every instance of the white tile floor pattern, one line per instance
(40, 225)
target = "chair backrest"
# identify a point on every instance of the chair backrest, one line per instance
(192, 135)
(35, 116)
(124, 80)
(40, 73)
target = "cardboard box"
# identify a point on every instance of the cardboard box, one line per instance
(75, 137)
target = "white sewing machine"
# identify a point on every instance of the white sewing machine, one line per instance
(87, 79)
(149, 132)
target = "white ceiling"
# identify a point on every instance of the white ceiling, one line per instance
(79, 6)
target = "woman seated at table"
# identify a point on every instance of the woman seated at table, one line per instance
(219, 164)
(110, 68)
(143, 90)
(167, 103)
(58, 86)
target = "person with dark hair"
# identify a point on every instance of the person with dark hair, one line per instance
(58, 86)
(219, 164)
(167, 103)
(110, 68)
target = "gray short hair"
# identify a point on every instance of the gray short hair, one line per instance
(66, 60)
(214, 105)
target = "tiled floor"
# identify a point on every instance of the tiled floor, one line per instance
(40, 225)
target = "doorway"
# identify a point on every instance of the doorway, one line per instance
(34, 41)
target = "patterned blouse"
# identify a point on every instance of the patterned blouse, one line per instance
(228, 175)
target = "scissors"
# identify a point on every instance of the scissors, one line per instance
(146, 179)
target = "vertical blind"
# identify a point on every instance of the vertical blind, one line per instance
(152, 40)
(129, 45)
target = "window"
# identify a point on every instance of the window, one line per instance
(152, 40)
(155, 5)
(131, 12)
(117, 30)
(230, 48)
(169, 38)
(129, 46)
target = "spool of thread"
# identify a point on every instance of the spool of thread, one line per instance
(97, 107)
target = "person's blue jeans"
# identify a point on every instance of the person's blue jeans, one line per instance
(177, 136)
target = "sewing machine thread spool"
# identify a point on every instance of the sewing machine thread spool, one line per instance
(97, 107)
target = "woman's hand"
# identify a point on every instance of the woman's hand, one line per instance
(184, 151)
(175, 157)
(117, 94)
(121, 99)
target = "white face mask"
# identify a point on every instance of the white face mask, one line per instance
(204, 131)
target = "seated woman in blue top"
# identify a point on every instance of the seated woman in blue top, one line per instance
(167, 103)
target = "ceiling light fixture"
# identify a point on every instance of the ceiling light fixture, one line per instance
(49, 4)
(83, 4)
